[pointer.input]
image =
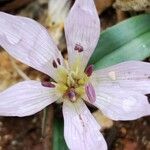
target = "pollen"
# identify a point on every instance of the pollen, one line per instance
(80, 90)
(61, 88)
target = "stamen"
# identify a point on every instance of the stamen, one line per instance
(72, 96)
(70, 77)
(58, 60)
(48, 84)
(78, 48)
(89, 70)
(90, 92)
(54, 64)
(77, 70)
(66, 64)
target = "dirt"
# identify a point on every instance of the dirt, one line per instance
(25, 134)
(20, 133)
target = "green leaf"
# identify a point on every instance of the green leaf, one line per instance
(128, 40)
(58, 135)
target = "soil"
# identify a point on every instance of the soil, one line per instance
(25, 134)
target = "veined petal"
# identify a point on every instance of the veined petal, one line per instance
(29, 42)
(130, 75)
(25, 98)
(81, 130)
(82, 30)
(121, 104)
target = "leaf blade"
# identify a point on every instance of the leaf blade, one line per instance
(119, 37)
(58, 135)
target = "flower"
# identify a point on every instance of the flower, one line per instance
(118, 91)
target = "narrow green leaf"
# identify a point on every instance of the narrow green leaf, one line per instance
(128, 40)
(58, 135)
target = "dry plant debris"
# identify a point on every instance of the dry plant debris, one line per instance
(133, 5)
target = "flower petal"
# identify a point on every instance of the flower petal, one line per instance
(25, 98)
(132, 75)
(82, 30)
(81, 131)
(121, 104)
(29, 42)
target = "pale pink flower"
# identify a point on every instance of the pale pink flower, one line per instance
(118, 91)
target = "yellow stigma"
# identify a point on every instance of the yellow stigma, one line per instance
(71, 81)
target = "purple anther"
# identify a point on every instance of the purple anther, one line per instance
(58, 60)
(89, 70)
(48, 84)
(78, 48)
(90, 92)
(71, 95)
(54, 64)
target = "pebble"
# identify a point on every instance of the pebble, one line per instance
(123, 131)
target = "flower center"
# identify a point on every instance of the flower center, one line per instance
(71, 80)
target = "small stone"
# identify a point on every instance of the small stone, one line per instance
(34, 120)
(7, 137)
(14, 142)
(145, 123)
(123, 131)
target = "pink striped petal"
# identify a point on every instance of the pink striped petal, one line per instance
(120, 90)
(81, 131)
(25, 98)
(130, 75)
(120, 104)
(82, 30)
(29, 42)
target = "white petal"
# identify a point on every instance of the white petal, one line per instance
(82, 30)
(132, 75)
(25, 98)
(29, 42)
(121, 104)
(81, 131)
